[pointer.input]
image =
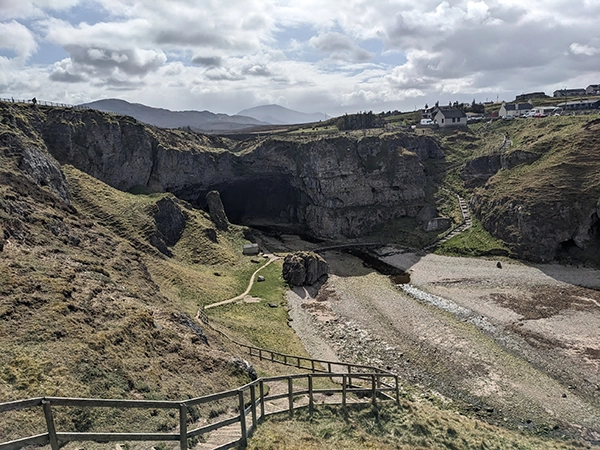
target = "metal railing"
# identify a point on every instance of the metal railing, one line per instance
(251, 409)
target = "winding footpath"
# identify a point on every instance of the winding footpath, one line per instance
(271, 257)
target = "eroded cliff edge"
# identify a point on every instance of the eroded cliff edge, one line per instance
(329, 187)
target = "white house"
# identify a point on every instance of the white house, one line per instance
(449, 117)
(514, 109)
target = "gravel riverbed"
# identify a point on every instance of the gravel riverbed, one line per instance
(510, 342)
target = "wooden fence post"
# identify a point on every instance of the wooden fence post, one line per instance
(291, 396)
(344, 381)
(244, 438)
(373, 390)
(311, 404)
(253, 400)
(183, 426)
(262, 399)
(50, 424)
(397, 391)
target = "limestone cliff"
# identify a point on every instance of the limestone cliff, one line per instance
(547, 208)
(329, 187)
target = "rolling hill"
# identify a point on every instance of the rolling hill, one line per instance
(202, 121)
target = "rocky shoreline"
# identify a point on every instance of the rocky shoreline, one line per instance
(483, 341)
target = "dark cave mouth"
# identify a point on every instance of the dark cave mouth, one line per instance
(268, 202)
(568, 251)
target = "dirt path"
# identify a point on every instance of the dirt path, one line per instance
(250, 284)
(517, 344)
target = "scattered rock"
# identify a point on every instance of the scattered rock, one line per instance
(499, 265)
(304, 268)
(260, 278)
(216, 274)
(185, 320)
(255, 261)
(211, 235)
(273, 305)
(217, 211)
(241, 365)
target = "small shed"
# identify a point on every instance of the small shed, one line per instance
(250, 249)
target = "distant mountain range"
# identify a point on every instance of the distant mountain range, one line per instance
(203, 121)
(278, 115)
(206, 121)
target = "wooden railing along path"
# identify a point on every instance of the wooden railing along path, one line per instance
(352, 380)
(251, 399)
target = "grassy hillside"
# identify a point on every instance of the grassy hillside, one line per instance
(89, 306)
(416, 425)
(97, 299)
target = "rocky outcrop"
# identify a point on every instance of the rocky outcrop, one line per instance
(45, 171)
(217, 210)
(169, 223)
(304, 268)
(328, 187)
(479, 170)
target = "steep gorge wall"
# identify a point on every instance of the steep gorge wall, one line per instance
(549, 207)
(338, 186)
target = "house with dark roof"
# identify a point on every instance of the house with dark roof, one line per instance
(449, 117)
(593, 89)
(569, 92)
(514, 109)
(580, 105)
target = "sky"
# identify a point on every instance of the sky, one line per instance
(309, 55)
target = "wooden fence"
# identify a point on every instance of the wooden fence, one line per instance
(250, 412)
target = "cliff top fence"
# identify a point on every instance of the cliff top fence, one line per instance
(42, 103)
(251, 400)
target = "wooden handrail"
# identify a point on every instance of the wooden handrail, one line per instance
(53, 437)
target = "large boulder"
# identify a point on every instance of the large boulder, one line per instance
(304, 268)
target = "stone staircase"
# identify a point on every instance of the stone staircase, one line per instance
(467, 223)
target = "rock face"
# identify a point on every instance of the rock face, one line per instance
(217, 211)
(45, 171)
(304, 268)
(169, 220)
(328, 187)
(479, 170)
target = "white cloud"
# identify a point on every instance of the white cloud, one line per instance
(581, 49)
(225, 56)
(17, 38)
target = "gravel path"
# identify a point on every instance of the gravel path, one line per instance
(517, 343)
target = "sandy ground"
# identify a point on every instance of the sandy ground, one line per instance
(518, 344)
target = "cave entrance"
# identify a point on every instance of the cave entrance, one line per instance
(268, 202)
(569, 252)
